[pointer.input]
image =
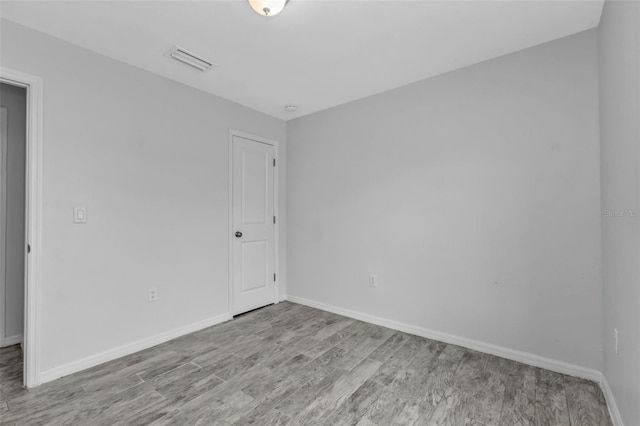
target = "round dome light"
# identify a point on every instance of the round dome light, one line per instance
(268, 7)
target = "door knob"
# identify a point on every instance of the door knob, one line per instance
(238, 234)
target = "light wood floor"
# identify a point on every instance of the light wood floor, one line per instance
(290, 364)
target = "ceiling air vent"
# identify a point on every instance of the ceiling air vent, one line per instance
(191, 59)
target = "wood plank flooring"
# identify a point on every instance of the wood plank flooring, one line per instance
(291, 364)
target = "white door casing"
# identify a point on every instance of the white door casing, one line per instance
(33, 222)
(253, 223)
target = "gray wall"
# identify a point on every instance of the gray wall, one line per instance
(148, 158)
(619, 46)
(474, 196)
(14, 99)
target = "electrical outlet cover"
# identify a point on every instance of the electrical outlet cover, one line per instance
(373, 280)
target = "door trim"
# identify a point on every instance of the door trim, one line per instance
(276, 198)
(33, 220)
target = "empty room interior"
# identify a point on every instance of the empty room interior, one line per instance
(320, 212)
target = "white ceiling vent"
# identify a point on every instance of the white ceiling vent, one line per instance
(191, 59)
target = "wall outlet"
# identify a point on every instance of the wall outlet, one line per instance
(153, 294)
(373, 280)
(79, 215)
(615, 340)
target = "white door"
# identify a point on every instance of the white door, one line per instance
(253, 223)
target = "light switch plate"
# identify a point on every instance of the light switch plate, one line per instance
(79, 215)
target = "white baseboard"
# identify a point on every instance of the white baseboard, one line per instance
(523, 357)
(10, 341)
(611, 403)
(115, 353)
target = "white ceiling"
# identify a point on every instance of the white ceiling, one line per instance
(315, 54)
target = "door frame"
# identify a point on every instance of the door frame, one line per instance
(33, 220)
(276, 198)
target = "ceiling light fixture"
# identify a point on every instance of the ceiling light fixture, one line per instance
(268, 7)
(290, 108)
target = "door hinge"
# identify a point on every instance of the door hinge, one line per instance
(274, 162)
(28, 248)
(274, 219)
(274, 277)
